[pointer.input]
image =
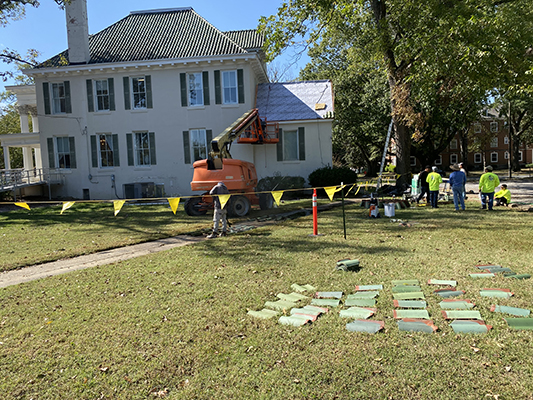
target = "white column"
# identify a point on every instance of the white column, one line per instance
(38, 159)
(7, 159)
(35, 123)
(27, 158)
(24, 123)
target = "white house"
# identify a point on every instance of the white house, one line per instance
(125, 112)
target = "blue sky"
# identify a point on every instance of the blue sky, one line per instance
(44, 28)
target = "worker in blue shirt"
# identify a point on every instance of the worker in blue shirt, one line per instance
(457, 183)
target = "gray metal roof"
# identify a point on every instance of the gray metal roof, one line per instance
(295, 100)
(248, 39)
(161, 34)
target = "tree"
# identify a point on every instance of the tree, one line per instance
(10, 123)
(417, 41)
(362, 100)
(12, 10)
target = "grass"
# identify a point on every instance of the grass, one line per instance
(43, 234)
(174, 325)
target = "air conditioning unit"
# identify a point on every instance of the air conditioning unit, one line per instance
(143, 190)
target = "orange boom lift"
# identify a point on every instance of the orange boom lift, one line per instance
(239, 176)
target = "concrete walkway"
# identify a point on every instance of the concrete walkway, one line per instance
(32, 273)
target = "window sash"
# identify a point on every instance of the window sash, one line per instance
(139, 92)
(493, 157)
(198, 140)
(290, 145)
(438, 161)
(101, 88)
(63, 152)
(196, 90)
(494, 142)
(453, 144)
(506, 140)
(477, 128)
(229, 87)
(453, 159)
(106, 150)
(59, 104)
(142, 149)
(477, 158)
(494, 127)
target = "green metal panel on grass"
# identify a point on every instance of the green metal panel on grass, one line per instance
(294, 297)
(449, 293)
(293, 320)
(280, 305)
(442, 282)
(481, 275)
(414, 325)
(365, 326)
(465, 326)
(461, 314)
(369, 287)
(456, 304)
(522, 324)
(356, 313)
(496, 293)
(325, 302)
(302, 288)
(409, 282)
(519, 312)
(328, 295)
(418, 314)
(360, 302)
(363, 295)
(409, 296)
(263, 314)
(410, 304)
(406, 289)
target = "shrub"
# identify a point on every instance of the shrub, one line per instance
(279, 182)
(332, 176)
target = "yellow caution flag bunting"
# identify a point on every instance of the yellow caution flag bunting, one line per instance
(223, 199)
(67, 205)
(117, 204)
(358, 188)
(354, 185)
(277, 196)
(174, 203)
(330, 191)
(23, 205)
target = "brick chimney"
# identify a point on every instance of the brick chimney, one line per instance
(77, 32)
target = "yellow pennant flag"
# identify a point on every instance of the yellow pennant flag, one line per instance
(174, 203)
(23, 205)
(118, 205)
(67, 205)
(277, 196)
(330, 191)
(223, 199)
(354, 185)
(397, 176)
(358, 188)
(340, 188)
(366, 185)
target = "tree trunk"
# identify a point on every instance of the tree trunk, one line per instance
(516, 153)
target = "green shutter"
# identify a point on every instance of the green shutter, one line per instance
(68, 105)
(51, 155)
(240, 85)
(127, 100)
(151, 139)
(279, 145)
(116, 157)
(111, 88)
(46, 95)
(90, 98)
(209, 139)
(301, 143)
(205, 82)
(94, 152)
(218, 88)
(148, 80)
(72, 148)
(186, 147)
(183, 87)
(129, 143)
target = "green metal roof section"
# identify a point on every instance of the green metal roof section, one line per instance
(162, 34)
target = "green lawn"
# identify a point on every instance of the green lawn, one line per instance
(174, 325)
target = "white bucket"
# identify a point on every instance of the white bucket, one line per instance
(389, 209)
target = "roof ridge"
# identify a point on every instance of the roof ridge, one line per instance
(160, 10)
(222, 33)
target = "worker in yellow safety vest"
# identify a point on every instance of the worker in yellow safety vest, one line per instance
(487, 183)
(434, 180)
(503, 197)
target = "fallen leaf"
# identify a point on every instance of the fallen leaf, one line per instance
(103, 369)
